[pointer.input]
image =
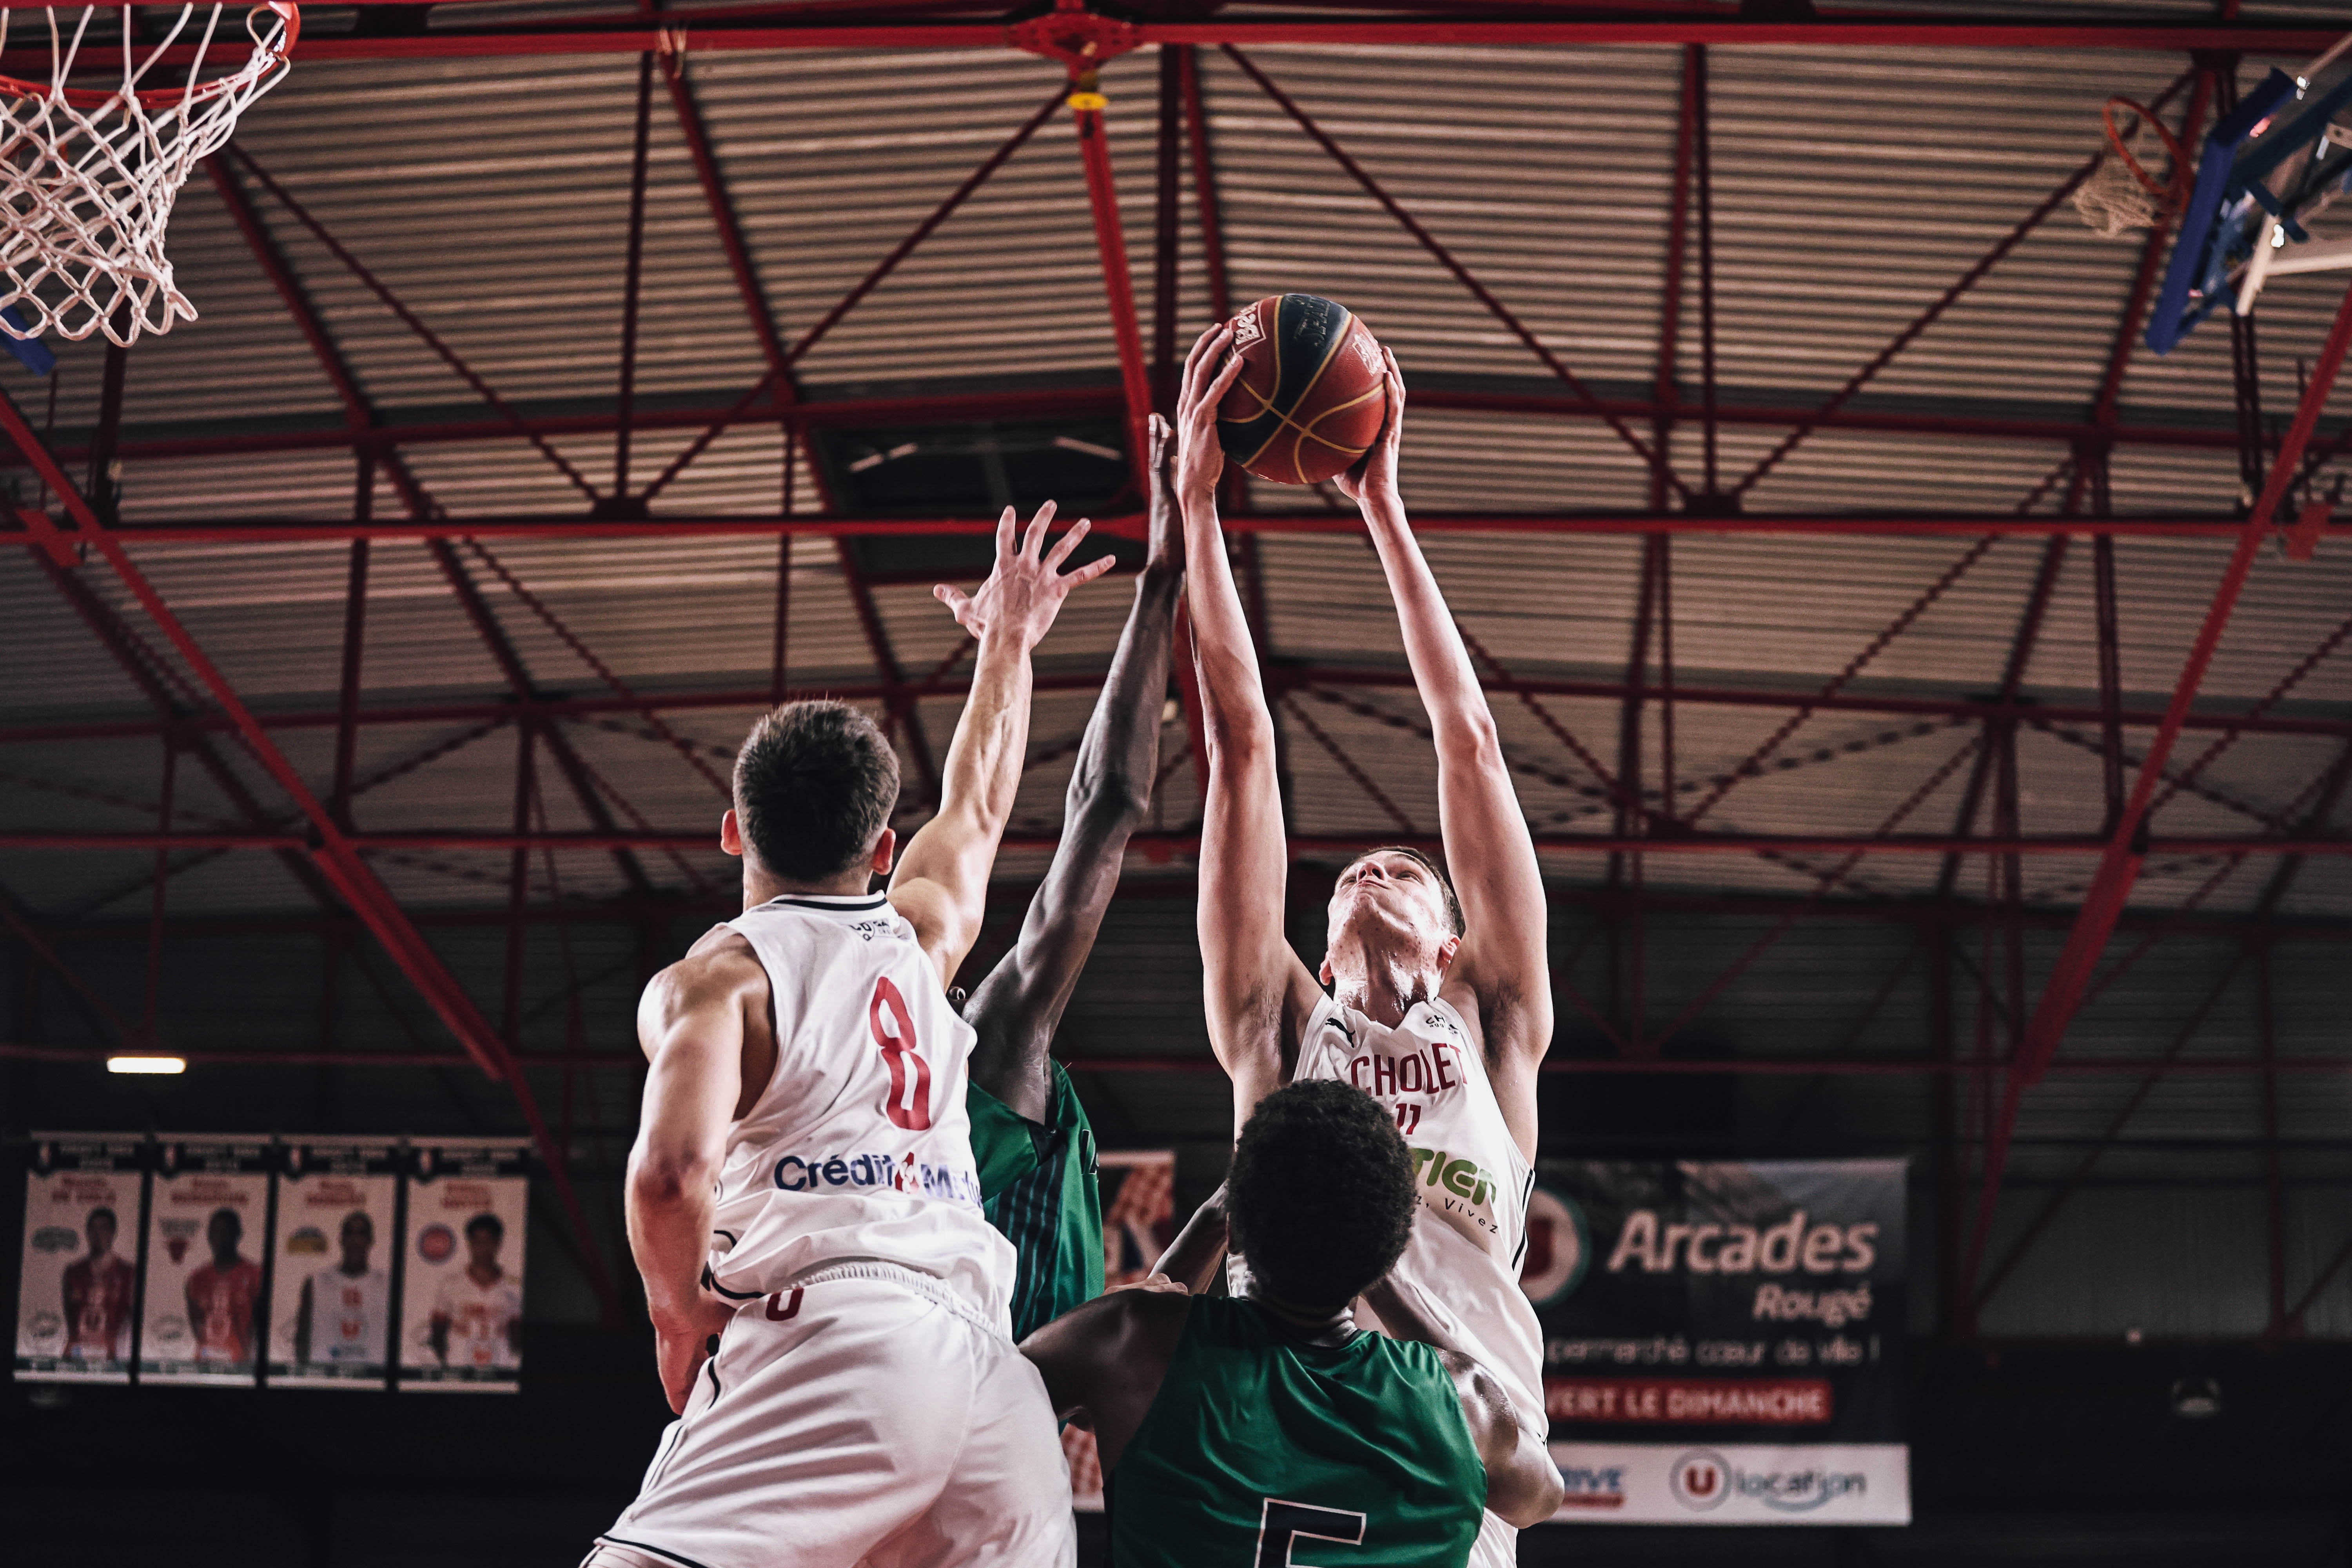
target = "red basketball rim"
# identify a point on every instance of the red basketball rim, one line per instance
(165, 96)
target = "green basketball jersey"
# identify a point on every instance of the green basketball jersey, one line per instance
(1263, 1450)
(1038, 1184)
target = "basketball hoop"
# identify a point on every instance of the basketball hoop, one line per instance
(88, 177)
(2120, 194)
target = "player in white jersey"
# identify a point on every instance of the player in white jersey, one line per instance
(343, 1312)
(1439, 1005)
(840, 1354)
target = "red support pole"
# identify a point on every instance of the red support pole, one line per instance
(1168, 230)
(1703, 173)
(347, 700)
(633, 280)
(1111, 245)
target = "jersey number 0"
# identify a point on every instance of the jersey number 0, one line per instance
(909, 1105)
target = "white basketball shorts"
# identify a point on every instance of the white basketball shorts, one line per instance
(863, 1418)
(1497, 1545)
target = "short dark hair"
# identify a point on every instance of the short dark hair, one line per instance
(490, 1222)
(1437, 873)
(1320, 1197)
(102, 1212)
(814, 785)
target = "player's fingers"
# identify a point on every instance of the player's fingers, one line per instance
(1004, 534)
(1069, 541)
(1200, 348)
(1224, 382)
(1033, 542)
(1091, 569)
(959, 603)
(1204, 366)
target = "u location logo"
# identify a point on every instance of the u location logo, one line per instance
(1700, 1479)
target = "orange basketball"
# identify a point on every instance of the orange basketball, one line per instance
(1311, 395)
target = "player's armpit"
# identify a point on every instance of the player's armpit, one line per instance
(1104, 1362)
(1523, 1484)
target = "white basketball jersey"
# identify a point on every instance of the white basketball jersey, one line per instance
(859, 1147)
(348, 1316)
(481, 1317)
(1470, 1237)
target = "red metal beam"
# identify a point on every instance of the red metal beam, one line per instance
(331, 850)
(1308, 844)
(1859, 525)
(435, 426)
(2127, 848)
(1279, 678)
(1707, 25)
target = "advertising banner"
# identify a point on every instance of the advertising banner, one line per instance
(1723, 1339)
(208, 1232)
(331, 1289)
(77, 1292)
(461, 1294)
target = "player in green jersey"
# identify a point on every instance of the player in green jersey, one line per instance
(1230, 1428)
(1030, 1138)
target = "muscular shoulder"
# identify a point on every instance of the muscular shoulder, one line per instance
(720, 971)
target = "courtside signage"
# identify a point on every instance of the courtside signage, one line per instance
(1723, 1338)
(1735, 1483)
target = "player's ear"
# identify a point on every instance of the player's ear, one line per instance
(885, 852)
(1447, 952)
(1324, 973)
(730, 834)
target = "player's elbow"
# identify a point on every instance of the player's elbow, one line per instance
(1530, 1488)
(667, 1176)
(1108, 798)
(1470, 739)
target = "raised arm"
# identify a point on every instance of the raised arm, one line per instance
(1017, 1007)
(691, 1025)
(942, 882)
(1502, 964)
(1257, 993)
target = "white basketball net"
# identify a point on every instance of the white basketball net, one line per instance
(88, 177)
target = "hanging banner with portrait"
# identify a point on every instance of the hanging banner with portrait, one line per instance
(78, 1290)
(207, 1234)
(461, 1292)
(331, 1296)
(1723, 1338)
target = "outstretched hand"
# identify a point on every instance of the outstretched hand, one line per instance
(1209, 374)
(1024, 591)
(1165, 536)
(1374, 478)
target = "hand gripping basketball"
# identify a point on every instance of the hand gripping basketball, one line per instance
(1209, 374)
(1025, 591)
(1372, 481)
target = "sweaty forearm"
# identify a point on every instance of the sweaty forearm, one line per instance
(1233, 699)
(1442, 670)
(669, 1235)
(983, 766)
(1111, 785)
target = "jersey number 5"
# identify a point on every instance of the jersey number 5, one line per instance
(1280, 1524)
(909, 1105)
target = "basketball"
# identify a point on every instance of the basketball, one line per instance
(1310, 397)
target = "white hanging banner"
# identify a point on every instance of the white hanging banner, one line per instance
(461, 1296)
(77, 1290)
(208, 1232)
(331, 1291)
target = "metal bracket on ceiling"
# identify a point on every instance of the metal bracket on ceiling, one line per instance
(1079, 38)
